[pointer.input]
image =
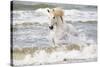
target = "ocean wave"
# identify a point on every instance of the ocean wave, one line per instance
(58, 54)
(40, 15)
(28, 33)
(78, 15)
(35, 5)
(31, 42)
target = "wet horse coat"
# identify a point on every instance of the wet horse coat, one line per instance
(58, 28)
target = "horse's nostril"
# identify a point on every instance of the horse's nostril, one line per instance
(51, 27)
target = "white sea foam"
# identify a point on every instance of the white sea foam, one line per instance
(78, 15)
(59, 56)
(41, 16)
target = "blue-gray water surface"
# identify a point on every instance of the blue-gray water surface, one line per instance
(30, 25)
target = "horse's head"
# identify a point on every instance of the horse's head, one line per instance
(53, 14)
(52, 18)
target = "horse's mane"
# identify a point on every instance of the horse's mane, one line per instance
(57, 12)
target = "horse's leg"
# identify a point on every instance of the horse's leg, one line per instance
(56, 41)
(52, 41)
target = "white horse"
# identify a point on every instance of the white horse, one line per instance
(58, 28)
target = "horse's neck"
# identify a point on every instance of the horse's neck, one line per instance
(60, 21)
(60, 26)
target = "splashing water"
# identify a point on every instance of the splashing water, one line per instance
(31, 41)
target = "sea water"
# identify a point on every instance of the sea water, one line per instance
(30, 26)
(31, 30)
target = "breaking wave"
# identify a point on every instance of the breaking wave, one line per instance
(40, 15)
(31, 42)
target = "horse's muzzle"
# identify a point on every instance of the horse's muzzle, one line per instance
(51, 27)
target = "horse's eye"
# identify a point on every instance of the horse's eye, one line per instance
(53, 17)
